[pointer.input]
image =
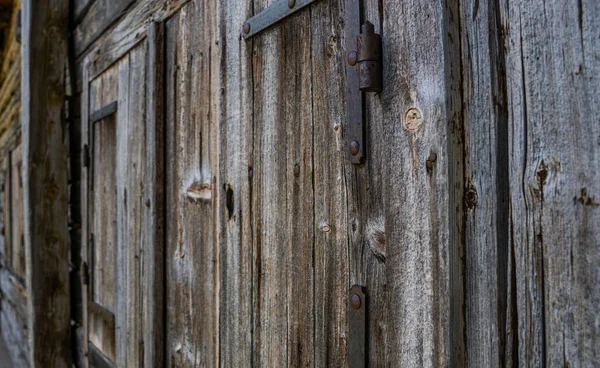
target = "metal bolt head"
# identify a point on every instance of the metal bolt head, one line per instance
(355, 301)
(291, 3)
(352, 57)
(354, 148)
(296, 170)
(246, 28)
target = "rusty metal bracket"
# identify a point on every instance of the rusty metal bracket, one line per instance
(272, 15)
(354, 97)
(363, 74)
(357, 323)
(104, 112)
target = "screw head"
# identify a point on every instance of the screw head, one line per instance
(352, 57)
(355, 301)
(246, 28)
(354, 148)
(291, 3)
(296, 170)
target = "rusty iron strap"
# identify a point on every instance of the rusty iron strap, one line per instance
(357, 322)
(272, 15)
(356, 144)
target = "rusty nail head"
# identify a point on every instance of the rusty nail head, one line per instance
(291, 3)
(352, 57)
(355, 301)
(296, 170)
(247, 28)
(354, 148)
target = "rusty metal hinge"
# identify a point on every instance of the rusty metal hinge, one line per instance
(363, 74)
(86, 155)
(363, 70)
(357, 323)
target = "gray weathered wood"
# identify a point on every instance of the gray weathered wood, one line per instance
(332, 256)
(100, 15)
(236, 236)
(553, 103)
(153, 232)
(193, 189)
(44, 52)
(488, 338)
(285, 230)
(418, 203)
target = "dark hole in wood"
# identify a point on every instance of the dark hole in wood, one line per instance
(229, 200)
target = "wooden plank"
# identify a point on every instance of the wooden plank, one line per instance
(84, 205)
(122, 167)
(80, 8)
(153, 270)
(128, 32)
(236, 235)
(419, 108)
(192, 258)
(553, 103)
(133, 136)
(332, 193)
(489, 339)
(44, 53)
(103, 209)
(16, 213)
(283, 302)
(13, 318)
(101, 15)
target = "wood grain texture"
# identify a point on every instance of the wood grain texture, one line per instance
(285, 230)
(193, 189)
(153, 269)
(332, 257)
(488, 337)
(552, 71)
(100, 15)
(236, 236)
(44, 52)
(127, 33)
(418, 202)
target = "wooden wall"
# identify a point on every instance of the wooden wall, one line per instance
(13, 294)
(474, 229)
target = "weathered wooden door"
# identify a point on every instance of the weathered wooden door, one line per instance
(266, 223)
(122, 204)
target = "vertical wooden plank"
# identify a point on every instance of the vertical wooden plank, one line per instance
(192, 192)
(283, 206)
(85, 197)
(553, 104)
(419, 113)
(16, 209)
(135, 184)
(103, 206)
(486, 186)
(121, 83)
(237, 237)
(44, 52)
(153, 276)
(331, 194)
